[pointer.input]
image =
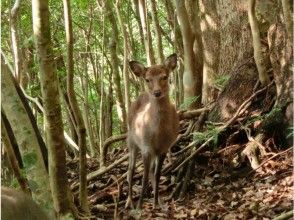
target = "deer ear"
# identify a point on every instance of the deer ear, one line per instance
(171, 62)
(137, 68)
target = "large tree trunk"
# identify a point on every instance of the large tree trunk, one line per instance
(52, 108)
(28, 142)
(210, 25)
(81, 130)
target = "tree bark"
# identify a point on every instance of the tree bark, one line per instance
(192, 77)
(81, 130)
(125, 64)
(155, 20)
(137, 17)
(14, 15)
(86, 112)
(258, 56)
(115, 67)
(26, 137)
(146, 33)
(288, 19)
(52, 108)
(210, 24)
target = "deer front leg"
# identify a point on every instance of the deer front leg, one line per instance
(132, 162)
(146, 162)
(158, 167)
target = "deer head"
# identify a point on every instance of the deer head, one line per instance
(156, 76)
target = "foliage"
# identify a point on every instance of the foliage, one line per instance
(221, 80)
(188, 101)
(211, 131)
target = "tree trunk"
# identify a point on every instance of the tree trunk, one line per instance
(14, 15)
(137, 17)
(81, 130)
(192, 78)
(258, 56)
(146, 33)
(125, 64)
(26, 137)
(210, 24)
(288, 19)
(86, 112)
(52, 108)
(155, 20)
(115, 67)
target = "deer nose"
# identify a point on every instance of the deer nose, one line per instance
(157, 93)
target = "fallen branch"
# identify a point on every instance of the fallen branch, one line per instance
(110, 141)
(102, 170)
(192, 113)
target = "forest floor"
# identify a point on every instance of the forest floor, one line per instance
(216, 191)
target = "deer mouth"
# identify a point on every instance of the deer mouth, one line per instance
(157, 94)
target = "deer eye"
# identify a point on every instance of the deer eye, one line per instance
(147, 80)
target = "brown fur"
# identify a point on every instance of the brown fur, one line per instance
(16, 205)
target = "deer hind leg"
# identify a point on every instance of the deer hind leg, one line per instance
(146, 162)
(133, 150)
(158, 167)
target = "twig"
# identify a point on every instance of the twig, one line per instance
(272, 157)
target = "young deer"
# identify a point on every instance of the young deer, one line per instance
(153, 125)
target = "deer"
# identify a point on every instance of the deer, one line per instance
(17, 205)
(153, 126)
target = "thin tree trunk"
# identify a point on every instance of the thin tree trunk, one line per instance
(258, 56)
(14, 15)
(137, 17)
(115, 66)
(192, 77)
(125, 64)
(101, 109)
(86, 116)
(159, 49)
(52, 108)
(146, 33)
(81, 130)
